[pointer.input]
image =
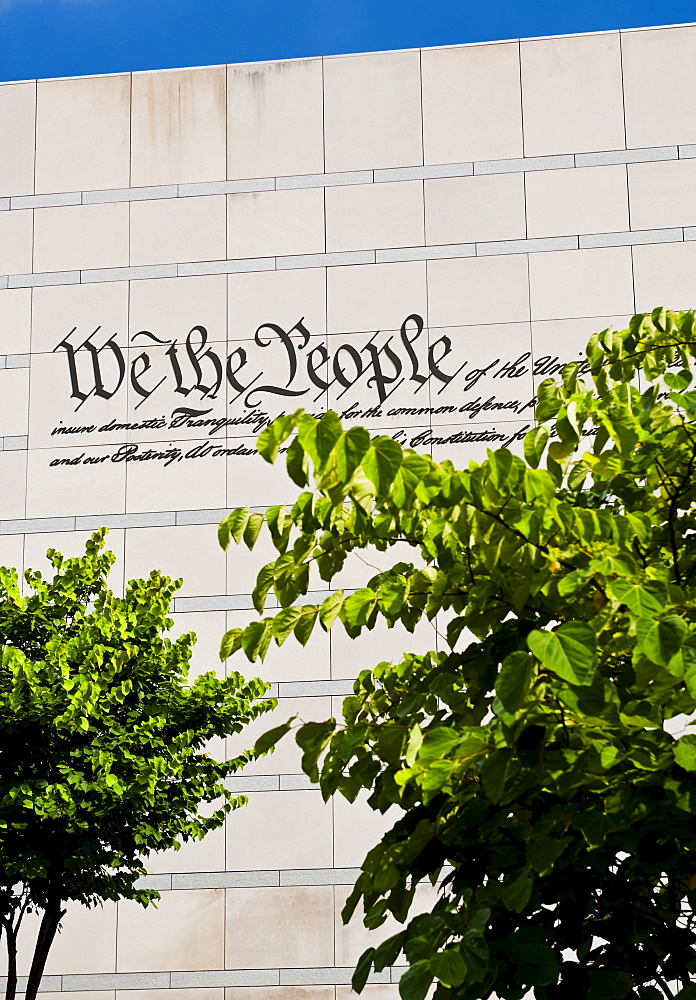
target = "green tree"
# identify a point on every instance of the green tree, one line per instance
(537, 764)
(102, 742)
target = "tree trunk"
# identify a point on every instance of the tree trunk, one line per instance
(11, 935)
(47, 932)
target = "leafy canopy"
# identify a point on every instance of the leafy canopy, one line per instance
(102, 740)
(536, 760)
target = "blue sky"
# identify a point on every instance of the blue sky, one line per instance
(45, 38)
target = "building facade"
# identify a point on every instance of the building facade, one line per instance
(415, 239)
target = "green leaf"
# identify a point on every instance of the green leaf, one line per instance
(543, 852)
(514, 680)
(312, 737)
(640, 598)
(296, 463)
(330, 609)
(231, 642)
(640, 526)
(382, 462)
(594, 825)
(449, 967)
(661, 640)
(264, 582)
(549, 400)
(534, 443)
(678, 380)
(494, 773)
(500, 464)
(256, 639)
(516, 893)
(569, 651)
(270, 738)
(284, 623)
(388, 951)
(251, 532)
(415, 741)
(358, 607)
(223, 535)
(305, 625)
(276, 517)
(538, 485)
(392, 595)
(272, 437)
(439, 742)
(328, 431)
(350, 451)
(685, 752)
(233, 526)
(362, 970)
(416, 981)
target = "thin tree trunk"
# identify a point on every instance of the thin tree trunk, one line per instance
(47, 932)
(11, 935)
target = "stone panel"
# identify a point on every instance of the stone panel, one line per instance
(179, 126)
(83, 133)
(564, 83)
(17, 134)
(275, 119)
